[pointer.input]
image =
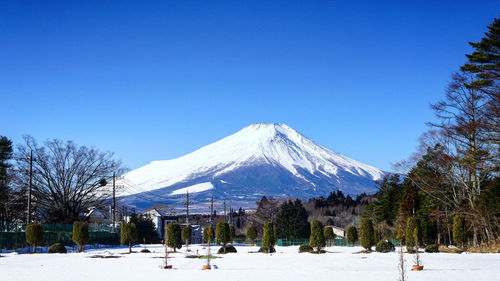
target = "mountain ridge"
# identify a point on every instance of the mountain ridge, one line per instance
(271, 157)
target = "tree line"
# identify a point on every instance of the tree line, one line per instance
(454, 177)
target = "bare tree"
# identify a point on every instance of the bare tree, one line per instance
(68, 180)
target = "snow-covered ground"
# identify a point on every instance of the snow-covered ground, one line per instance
(339, 263)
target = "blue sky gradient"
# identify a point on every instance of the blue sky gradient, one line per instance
(156, 80)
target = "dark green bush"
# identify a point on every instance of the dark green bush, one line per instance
(384, 246)
(251, 233)
(459, 231)
(352, 234)
(227, 249)
(411, 241)
(186, 235)
(173, 238)
(268, 238)
(222, 233)
(80, 234)
(128, 235)
(433, 248)
(145, 251)
(57, 248)
(305, 248)
(208, 235)
(317, 239)
(366, 233)
(34, 234)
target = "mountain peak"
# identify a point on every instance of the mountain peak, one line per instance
(262, 152)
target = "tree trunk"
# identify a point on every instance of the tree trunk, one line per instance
(130, 248)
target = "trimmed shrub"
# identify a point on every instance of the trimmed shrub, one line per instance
(57, 248)
(80, 234)
(432, 248)
(317, 240)
(267, 250)
(352, 234)
(145, 251)
(305, 248)
(128, 235)
(412, 224)
(34, 234)
(459, 231)
(186, 235)
(366, 233)
(268, 239)
(173, 236)
(384, 246)
(222, 233)
(227, 249)
(251, 233)
(329, 235)
(208, 235)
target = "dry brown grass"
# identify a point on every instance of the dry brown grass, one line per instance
(492, 247)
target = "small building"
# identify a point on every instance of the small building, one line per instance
(338, 231)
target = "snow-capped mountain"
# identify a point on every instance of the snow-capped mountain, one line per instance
(262, 159)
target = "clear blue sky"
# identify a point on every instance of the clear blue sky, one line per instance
(157, 80)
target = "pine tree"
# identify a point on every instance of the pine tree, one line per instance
(81, 234)
(352, 234)
(366, 233)
(5, 192)
(251, 233)
(173, 238)
(317, 239)
(146, 229)
(291, 221)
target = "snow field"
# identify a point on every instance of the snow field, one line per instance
(339, 263)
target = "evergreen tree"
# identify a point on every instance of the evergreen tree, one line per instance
(329, 235)
(459, 231)
(146, 229)
(291, 221)
(317, 239)
(208, 235)
(412, 224)
(186, 235)
(173, 239)
(128, 235)
(222, 234)
(5, 190)
(34, 234)
(251, 233)
(268, 239)
(81, 234)
(366, 233)
(352, 234)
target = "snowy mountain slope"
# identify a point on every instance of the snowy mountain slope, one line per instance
(261, 159)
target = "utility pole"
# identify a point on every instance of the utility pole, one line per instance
(225, 216)
(187, 207)
(211, 209)
(114, 201)
(29, 187)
